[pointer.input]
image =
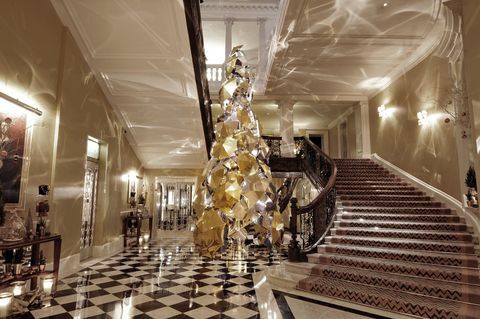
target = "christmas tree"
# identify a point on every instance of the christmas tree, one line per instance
(236, 191)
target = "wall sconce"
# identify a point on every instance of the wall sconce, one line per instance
(20, 103)
(383, 112)
(422, 117)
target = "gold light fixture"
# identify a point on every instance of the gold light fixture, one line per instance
(422, 117)
(384, 112)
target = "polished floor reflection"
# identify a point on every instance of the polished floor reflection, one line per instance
(166, 279)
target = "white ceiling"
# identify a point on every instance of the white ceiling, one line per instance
(139, 51)
(345, 47)
(322, 51)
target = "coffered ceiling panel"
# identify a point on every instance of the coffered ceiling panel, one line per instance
(139, 51)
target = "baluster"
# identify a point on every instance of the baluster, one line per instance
(293, 246)
(209, 74)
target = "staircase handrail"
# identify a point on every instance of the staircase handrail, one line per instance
(317, 216)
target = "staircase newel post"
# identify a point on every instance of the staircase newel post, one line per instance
(293, 246)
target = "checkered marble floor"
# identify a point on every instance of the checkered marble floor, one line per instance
(166, 279)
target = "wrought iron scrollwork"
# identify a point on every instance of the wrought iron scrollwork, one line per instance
(284, 192)
(313, 221)
(273, 143)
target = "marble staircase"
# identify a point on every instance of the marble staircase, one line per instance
(394, 248)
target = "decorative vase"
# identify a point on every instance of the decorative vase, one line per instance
(16, 226)
(29, 225)
(7, 269)
(17, 269)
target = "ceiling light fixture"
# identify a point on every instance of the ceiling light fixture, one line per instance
(422, 117)
(20, 103)
(385, 4)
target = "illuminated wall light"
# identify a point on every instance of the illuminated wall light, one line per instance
(384, 112)
(422, 117)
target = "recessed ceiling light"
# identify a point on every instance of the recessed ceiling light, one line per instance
(385, 4)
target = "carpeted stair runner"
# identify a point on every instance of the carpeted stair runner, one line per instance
(394, 248)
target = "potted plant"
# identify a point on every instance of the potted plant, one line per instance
(471, 183)
(42, 262)
(18, 261)
(8, 260)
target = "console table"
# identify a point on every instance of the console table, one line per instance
(35, 243)
(138, 222)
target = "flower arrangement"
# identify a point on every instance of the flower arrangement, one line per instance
(471, 183)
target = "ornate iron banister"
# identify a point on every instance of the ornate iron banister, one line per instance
(313, 221)
(284, 193)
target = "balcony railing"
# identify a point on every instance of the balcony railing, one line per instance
(216, 73)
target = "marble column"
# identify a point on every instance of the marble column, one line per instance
(287, 147)
(228, 37)
(262, 41)
(365, 119)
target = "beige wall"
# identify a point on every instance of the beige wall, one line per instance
(427, 152)
(333, 142)
(471, 27)
(351, 136)
(334, 133)
(43, 61)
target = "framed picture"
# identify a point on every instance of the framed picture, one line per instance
(132, 188)
(13, 146)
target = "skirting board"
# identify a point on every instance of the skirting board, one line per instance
(450, 202)
(108, 249)
(71, 264)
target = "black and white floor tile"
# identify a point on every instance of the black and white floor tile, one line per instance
(166, 279)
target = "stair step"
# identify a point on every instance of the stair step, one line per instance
(437, 272)
(437, 258)
(410, 244)
(378, 192)
(373, 172)
(374, 183)
(434, 218)
(393, 203)
(457, 291)
(399, 234)
(390, 197)
(363, 179)
(389, 299)
(402, 225)
(397, 210)
(373, 187)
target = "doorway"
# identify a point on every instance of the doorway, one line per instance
(89, 206)
(343, 140)
(317, 140)
(174, 203)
